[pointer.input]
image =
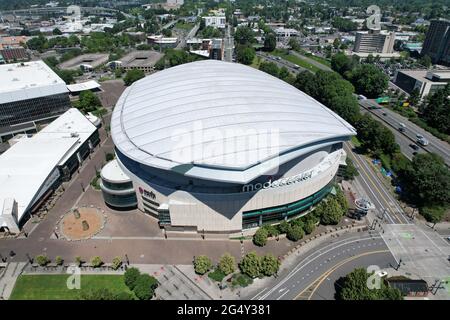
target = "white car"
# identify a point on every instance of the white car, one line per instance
(419, 136)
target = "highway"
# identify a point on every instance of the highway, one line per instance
(318, 262)
(385, 203)
(392, 119)
(281, 62)
(403, 141)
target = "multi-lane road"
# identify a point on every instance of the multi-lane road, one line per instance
(323, 260)
(408, 137)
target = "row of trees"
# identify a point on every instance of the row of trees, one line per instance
(174, 57)
(251, 265)
(245, 38)
(367, 79)
(329, 212)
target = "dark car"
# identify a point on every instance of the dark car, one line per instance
(414, 146)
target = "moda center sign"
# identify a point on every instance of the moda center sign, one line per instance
(278, 183)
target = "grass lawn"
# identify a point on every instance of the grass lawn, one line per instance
(355, 141)
(256, 62)
(320, 60)
(184, 26)
(53, 287)
(294, 59)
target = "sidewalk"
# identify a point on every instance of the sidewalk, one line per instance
(9, 277)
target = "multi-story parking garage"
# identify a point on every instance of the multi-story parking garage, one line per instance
(212, 146)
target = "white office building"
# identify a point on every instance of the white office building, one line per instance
(223, 154)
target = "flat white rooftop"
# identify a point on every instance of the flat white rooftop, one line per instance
(26, 166)
(28, 80)
(88, 85)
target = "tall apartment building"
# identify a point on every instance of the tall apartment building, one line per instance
(374, 41)
(437, 42)
(30, 93)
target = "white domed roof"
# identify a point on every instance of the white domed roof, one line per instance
(218, 115)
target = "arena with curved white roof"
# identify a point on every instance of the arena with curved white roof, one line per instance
(212, 146)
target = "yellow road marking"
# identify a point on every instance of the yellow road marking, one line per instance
(332, 269)
(373, 183)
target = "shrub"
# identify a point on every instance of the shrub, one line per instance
(78, 261)
(42, 260)
(116, 263)
(145, 286)
(58, 260)
(271, 230)
(131, 276)
(96, 262)
(295, 233)
(309, 226)
(217, 275)
(202, 264)
(283, 227)
(241, 280)
(260, 237)
(432, 214)
(227, 264)
(109, 157)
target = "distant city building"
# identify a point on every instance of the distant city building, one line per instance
(142, 60)
(427, 82)
(162, 41)
(437, 42)
(285, 33)
(30, 93)
(14, 54)
(217, 49)
(34, 167)
(216, 21)
(12, 42)
(85, 62)
(374, 41)
(169, 4)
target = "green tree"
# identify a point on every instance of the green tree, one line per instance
(272, 230)
(283, 227)
(245, 54)
(341, 63)
(331, 212)
(260, 237)
(96, 262)
(270, 42)
(131, 276)
(56, 31)
(425, 61)
(309, 226)
(59, 261)
(251, 265)
(294, 44)
(88, 102)
(295, 233)
(116, 263)
(145, 287)
(78, 261)
(42, 260)
(369, 80)
(350, 171)
(354, 287)
(436, 110)
(414, 97)
(270, 68)
(132, 76)
(227, 264)
(269, 265)
(202, 264)
(244, 35)
(427, 180)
